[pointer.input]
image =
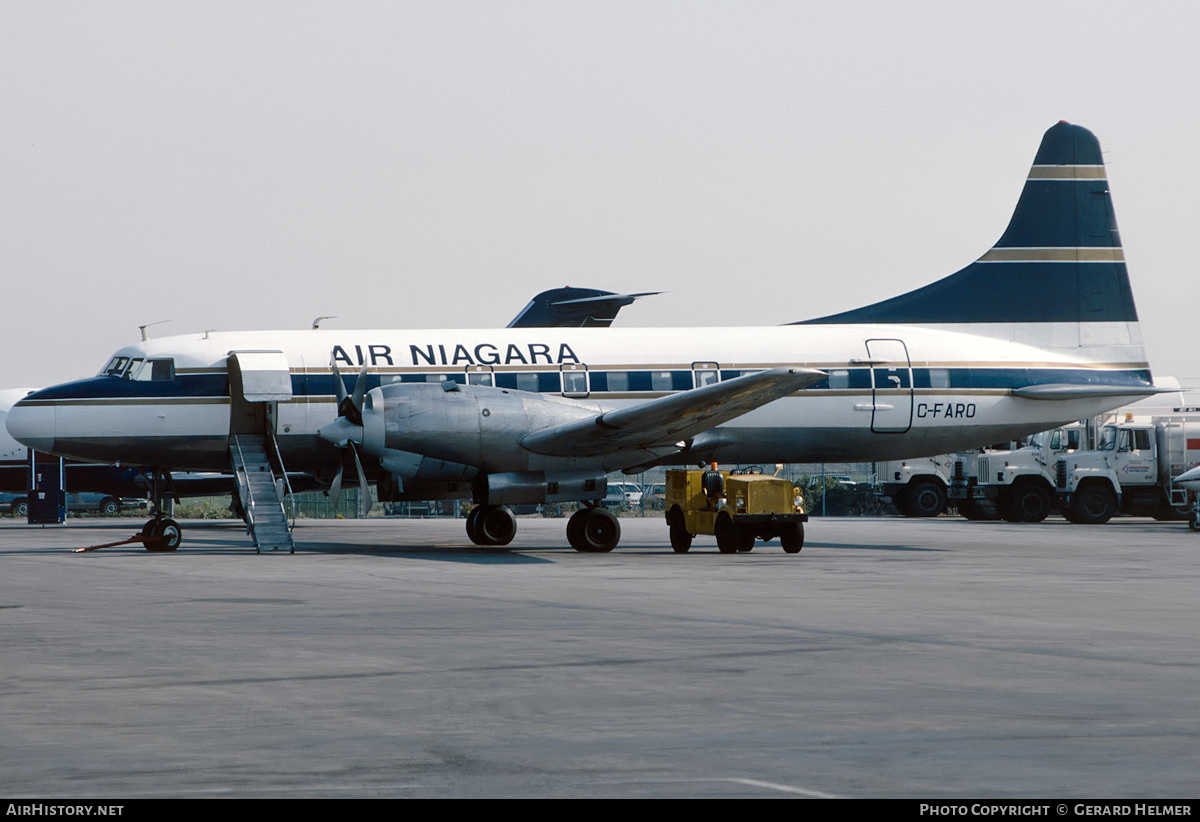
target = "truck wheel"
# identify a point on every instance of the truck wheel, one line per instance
(792, 537)
(729, 537)
(978, 510)
(1093, 505)
(925, 498)
(1028, 502)
(681, 540)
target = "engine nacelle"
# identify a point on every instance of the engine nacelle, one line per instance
(459, 424)
(531, 487)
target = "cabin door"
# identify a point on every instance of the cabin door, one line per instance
(257, 381)
(891, 386)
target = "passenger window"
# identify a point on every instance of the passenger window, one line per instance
(661, 381)
(574, 382)
(527, 382)
(839, 378)
(618, 381)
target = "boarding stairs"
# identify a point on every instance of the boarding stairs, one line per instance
(262, 493)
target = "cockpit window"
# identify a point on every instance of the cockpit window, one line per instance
(131, 368)
(158, 371)
(116, 367)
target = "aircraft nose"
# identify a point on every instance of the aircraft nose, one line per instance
(32, 425)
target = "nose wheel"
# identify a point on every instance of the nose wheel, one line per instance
(162, 534)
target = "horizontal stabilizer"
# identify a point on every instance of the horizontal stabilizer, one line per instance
(1070, 391)
(666, 422)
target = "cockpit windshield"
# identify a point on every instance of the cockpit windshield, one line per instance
(135, 368)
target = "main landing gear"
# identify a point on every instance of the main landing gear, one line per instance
(591, 530)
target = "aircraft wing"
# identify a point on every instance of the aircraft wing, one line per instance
(665, 424)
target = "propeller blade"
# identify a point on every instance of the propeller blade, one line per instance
(356, 399)
(364, 490)
(335, 487)
(337, 383)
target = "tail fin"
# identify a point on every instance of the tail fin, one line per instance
(574, 308)
(1055, 279)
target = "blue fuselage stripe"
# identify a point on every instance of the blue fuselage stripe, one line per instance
(214, 385)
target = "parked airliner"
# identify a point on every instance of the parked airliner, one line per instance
(1039, 331)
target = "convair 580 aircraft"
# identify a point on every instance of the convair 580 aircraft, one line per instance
(1039, 331)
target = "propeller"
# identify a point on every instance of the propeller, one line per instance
(346, 432)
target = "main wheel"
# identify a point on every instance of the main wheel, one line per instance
(925, 498)
(792, 537)
(1093, 505)
(575, 526)
(473, 526)
(496, 525)
(600, 533)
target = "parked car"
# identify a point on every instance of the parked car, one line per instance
(628, 494)
(654, 496)
(82, 503)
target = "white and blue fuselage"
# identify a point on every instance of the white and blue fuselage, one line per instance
(890, 392)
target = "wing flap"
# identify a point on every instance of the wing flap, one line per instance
(662, 425)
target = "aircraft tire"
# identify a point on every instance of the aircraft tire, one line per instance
(473, 526)
(575, 526)
(792, 537)
(496, 525)
(600, 533)
(1194, 521)
(164, 535)
(925, 498)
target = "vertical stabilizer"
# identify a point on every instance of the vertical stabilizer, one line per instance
(1055, 279)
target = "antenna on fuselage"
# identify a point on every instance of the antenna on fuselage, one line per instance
(317, 321)
(142, 328)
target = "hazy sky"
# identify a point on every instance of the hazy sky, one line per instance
(229, 165)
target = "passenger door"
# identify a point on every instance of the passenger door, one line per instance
(891, 386)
